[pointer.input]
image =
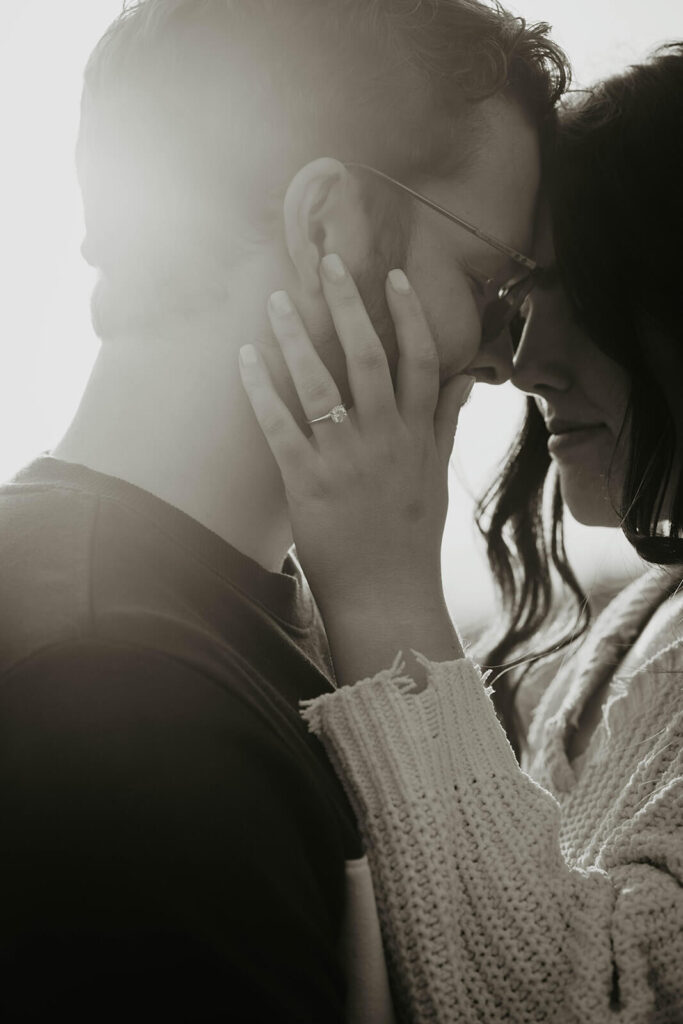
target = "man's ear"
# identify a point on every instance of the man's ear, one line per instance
(323, 213)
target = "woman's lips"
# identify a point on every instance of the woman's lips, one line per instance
(574, 437)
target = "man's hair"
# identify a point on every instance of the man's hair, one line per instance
(195, 109)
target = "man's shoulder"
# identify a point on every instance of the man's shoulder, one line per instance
(100, 707)
(110, 631)
(124, 683)
(45, 538)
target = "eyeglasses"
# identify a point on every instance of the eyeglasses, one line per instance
(499, 305)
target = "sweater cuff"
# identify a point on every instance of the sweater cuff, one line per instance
(448, 731)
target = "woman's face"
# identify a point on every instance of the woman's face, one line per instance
(582, 395)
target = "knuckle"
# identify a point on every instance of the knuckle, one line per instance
(424, 359)
(287, 326)
(412, 313)
(317, 387)
(288, 333)
(370, 357)
(385, 411)
(273, 423)
(346, 299)
(343, 481)
(288, 453)
(320, 488)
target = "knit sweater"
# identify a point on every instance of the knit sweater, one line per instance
(540, 893)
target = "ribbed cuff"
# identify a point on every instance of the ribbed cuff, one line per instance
(448, 732)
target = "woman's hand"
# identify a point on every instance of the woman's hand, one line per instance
(367, 496)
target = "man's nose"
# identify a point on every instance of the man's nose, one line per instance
(493, 362)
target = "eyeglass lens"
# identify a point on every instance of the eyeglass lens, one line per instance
(501, 310)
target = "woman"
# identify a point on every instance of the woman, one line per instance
(554, 890)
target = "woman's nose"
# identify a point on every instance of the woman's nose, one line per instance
(537, 367)
(493, 362)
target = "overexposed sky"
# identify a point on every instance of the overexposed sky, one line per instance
(602, 36)
(47, 347)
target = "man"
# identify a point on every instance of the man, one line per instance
(174, 842)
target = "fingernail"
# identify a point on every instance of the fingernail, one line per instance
(280, 303)
(399, 282)
(332, 267)
(249, 355)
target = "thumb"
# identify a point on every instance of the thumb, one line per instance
(452, 397)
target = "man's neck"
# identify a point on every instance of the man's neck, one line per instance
(171, 417)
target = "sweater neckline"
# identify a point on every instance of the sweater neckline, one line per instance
(612, 635)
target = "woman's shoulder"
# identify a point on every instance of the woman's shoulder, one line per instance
(664, 628)
(644, 619)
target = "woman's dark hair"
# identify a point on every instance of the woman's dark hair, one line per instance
(613, 181)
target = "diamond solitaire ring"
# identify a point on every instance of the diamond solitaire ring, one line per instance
(337, 415)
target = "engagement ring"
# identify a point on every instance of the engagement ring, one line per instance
(337, 415)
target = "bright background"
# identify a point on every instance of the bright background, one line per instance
(47, 346)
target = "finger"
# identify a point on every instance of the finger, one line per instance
(366, 361)
(314, 384)
(292, 451)
(417, 382)
(453, 396)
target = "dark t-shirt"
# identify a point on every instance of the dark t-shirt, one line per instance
(173, 840)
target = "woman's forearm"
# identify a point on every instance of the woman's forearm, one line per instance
(485, 916)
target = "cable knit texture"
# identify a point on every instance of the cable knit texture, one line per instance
(542, 893)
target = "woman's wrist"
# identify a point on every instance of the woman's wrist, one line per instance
(365, 638)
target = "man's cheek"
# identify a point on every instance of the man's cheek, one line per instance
(459, 336)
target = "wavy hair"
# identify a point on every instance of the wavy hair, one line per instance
(613, 180)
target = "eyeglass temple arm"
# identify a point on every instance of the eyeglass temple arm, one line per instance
(519, 257)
